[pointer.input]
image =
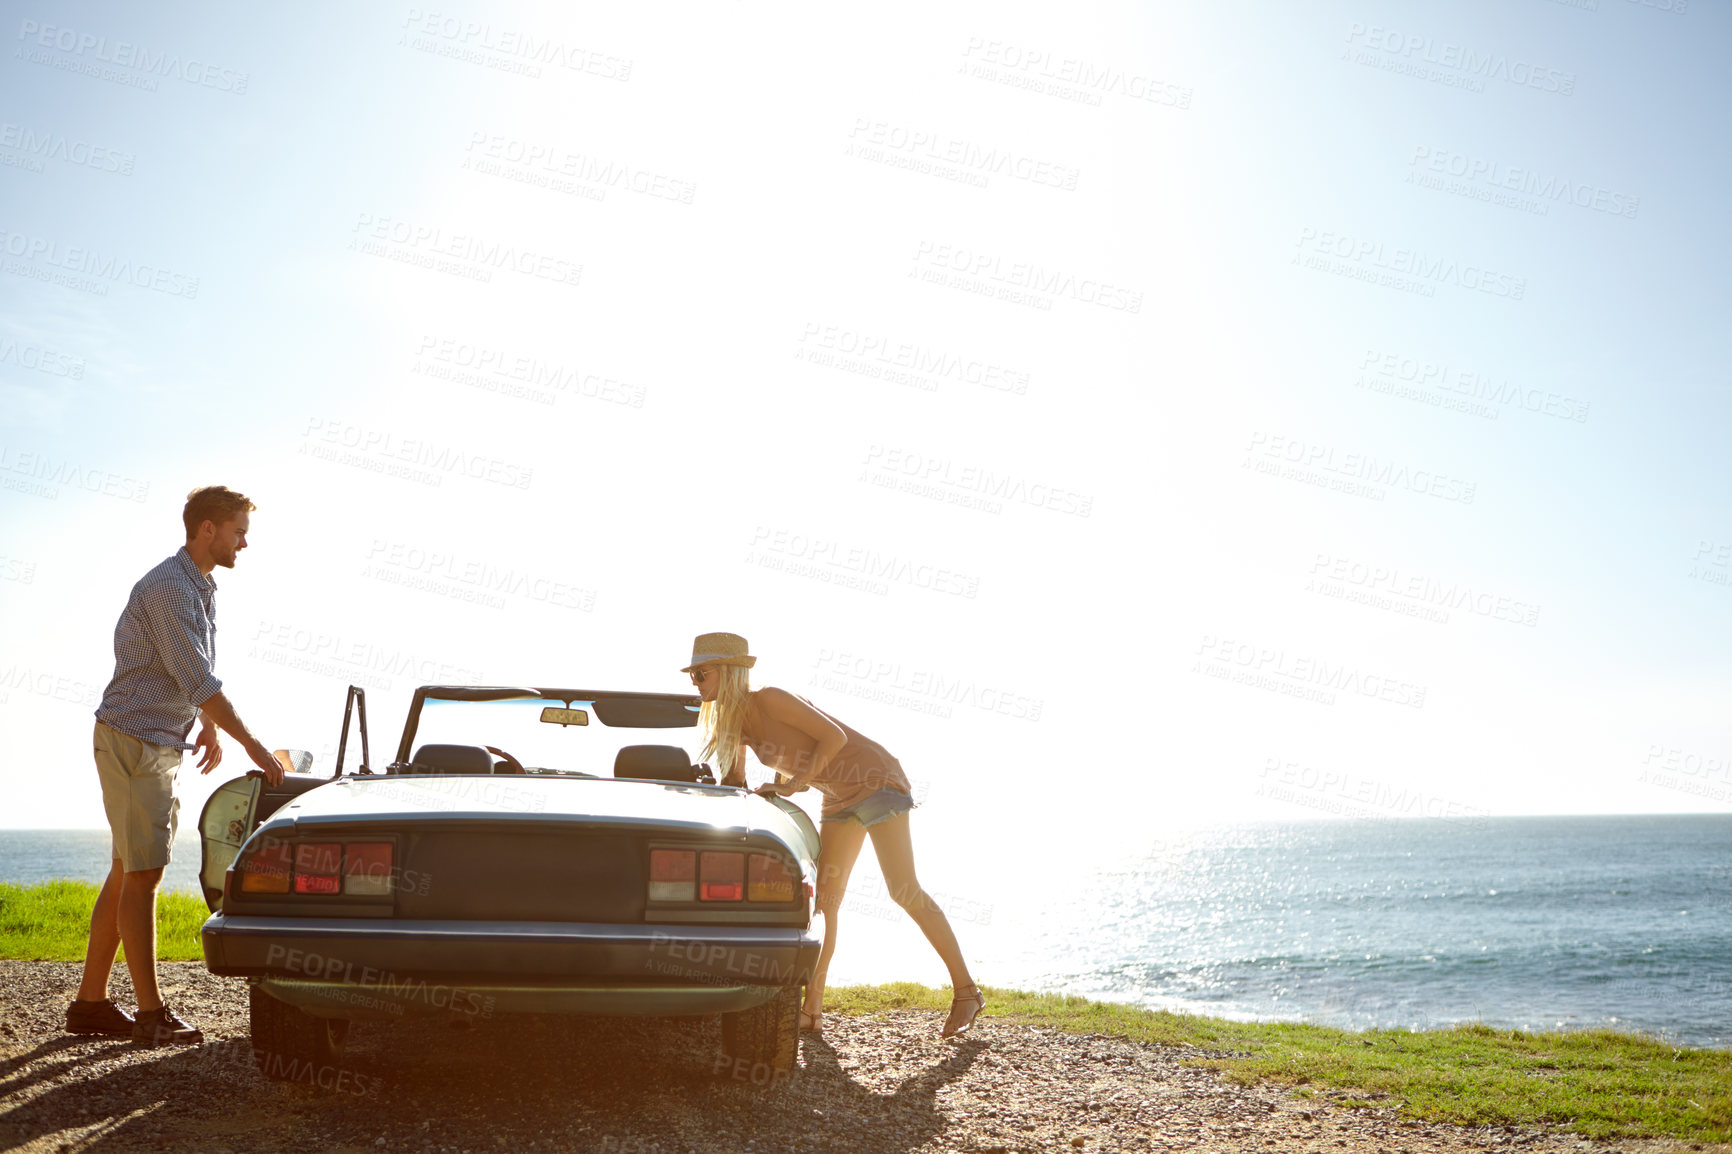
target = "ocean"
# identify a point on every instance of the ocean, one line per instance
(1531, 923)
(28, 856)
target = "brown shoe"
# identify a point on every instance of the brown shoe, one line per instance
(100, 1017)
(159, 1027)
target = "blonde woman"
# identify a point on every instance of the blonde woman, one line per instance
(865, 794)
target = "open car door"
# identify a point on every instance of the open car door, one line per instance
(237, 807)
(235, 810)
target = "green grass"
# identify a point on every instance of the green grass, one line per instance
(1599, 1083)
(50, 922)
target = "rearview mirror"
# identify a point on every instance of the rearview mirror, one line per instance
(554, 715)
(293, 760)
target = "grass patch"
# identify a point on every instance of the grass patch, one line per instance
(1599, 1083)
(50, 922)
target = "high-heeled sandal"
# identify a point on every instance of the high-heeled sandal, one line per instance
(979, 1000)
(809, 1022)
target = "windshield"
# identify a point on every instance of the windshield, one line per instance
(584, 744)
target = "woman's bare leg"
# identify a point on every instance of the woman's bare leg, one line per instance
(838, 848)
(895, 849)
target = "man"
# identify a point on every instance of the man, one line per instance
(164, 652)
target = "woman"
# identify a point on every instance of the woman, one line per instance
(865, 793)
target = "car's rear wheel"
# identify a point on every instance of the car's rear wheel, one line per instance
(290, 1044)
(766, 1037)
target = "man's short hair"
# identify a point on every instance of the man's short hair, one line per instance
(216, 503)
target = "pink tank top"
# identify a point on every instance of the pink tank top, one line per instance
(859, 770)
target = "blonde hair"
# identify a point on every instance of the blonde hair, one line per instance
(724, 720)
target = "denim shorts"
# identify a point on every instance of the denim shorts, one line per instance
(881, 806)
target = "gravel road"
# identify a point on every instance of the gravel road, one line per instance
(874, 1085)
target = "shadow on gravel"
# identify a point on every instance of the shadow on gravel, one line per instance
(52, 1067)
(101, 1093)
(512, 1083)
(842, 1114)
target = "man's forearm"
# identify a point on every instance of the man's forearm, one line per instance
(216, 710)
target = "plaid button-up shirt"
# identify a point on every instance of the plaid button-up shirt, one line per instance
(164, 653)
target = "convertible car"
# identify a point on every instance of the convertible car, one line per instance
(528, 851)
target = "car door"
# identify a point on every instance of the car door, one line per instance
(239, 806)
(229, 817)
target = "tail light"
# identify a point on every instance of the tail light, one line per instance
(681, 875)
(266, 870)
(355, 868)
(721, 877)
(673, 875)
(768, 880)
(317, 865)
(367, 868)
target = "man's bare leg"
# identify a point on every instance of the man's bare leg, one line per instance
(104, 938)
(138, 933)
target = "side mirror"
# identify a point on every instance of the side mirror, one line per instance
(293, 760)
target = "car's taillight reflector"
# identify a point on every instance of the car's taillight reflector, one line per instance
(266, 870)
(768, 880)
(673, 875)
(316, 867)
(367, 867)
(722, 877)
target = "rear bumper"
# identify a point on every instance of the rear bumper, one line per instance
(397, 997)
(385, 967)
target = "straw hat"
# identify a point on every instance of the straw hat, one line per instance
(720, 649)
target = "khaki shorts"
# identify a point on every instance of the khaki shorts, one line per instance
(138, 794)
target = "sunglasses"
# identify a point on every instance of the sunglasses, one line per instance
(698, 675)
